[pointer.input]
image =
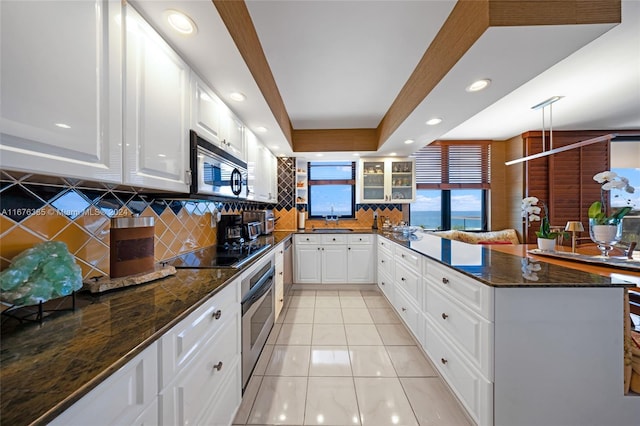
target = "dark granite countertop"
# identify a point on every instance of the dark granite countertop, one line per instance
(45, 369)
(497, 269)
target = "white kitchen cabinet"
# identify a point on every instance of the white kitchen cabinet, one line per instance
(265, 169)
(387, 180)
(334, 263)
(205, 110)
(279, 280)
(320, 259)
(307, 265)
(361, 259)
(61, 88)
(201, 363)
(128, 396)
(156, 110)
(231, 134)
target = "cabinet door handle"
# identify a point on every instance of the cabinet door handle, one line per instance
(444, 360)
(382, 282)
(218, 366)
(282, 300)
(318, 248)
(402, 279)
(217, 314)
(404, 309)
(445, 280)
(349, 248)
(382, 261)
(307, 239)
(280, 273)
(444, 316)
(281, 252)
(402, 255)
(333, 239)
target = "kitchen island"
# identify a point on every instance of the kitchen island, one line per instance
(45, 369)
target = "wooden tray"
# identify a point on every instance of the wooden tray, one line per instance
(106, 284)
(618, 262)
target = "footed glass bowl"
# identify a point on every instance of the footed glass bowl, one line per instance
(406, 230)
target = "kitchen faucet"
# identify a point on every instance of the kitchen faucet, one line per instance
(332, 218)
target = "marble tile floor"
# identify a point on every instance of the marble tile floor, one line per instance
(344, 358)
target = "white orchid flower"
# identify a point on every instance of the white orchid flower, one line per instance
(605, 176)
(534, 217)
(613, 184)
(533, 209)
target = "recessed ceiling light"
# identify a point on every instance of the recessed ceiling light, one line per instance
(261, 129)
(180, 22)
(275, 147)
(237, 96)
(63, 126)
(476, 86)
(434, 121)
(319, 155)
(355, 154)
(393, 154)
(409, 141)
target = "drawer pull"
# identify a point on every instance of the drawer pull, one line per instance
(307, 239)
(445, 280)
(217, 314)
(402, 279)
(404, 309)
(282, 300)
(444, 316)
(334, 239)
(382, 283)
(402, 255)
(349, 248)
(218, 366)
(443, 360)
(281, 273)
(381, 261)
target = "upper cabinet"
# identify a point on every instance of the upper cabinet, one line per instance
(61, 88)
(387, 180)
(262, 171)
(156, 108)
(212, 120)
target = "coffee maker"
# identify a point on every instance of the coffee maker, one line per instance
(229, 229)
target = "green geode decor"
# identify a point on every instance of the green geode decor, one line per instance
(43, 272)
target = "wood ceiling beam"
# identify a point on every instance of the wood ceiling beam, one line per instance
(235, 16)
(468, 20)
(338, 140)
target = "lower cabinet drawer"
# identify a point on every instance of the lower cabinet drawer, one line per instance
(474, 391)
(408, 311)
(469, 331)
(385, 284)
(186, 399)
(384, 262)
(184, 340)
(409, 281)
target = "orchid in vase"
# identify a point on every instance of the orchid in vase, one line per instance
(532, 212)
(606, 229)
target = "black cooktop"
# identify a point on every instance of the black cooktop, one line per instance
(223, 256)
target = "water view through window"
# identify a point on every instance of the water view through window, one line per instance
(464, 206)
(331, 189)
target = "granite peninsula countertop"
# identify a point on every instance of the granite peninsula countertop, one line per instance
(45, 369)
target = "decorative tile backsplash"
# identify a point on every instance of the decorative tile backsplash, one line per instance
(35, 208)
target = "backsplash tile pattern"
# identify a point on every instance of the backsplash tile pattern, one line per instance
(42, 208)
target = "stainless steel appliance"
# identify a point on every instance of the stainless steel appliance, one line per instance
(265, 217)
(258, 313)
(288, 267)
(215, 171)
(253, 230)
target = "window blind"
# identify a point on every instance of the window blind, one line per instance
(450, 165)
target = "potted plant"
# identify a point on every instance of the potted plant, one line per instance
(531, 211)
(606, 229)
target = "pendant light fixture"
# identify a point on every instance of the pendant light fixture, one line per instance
(543, 105)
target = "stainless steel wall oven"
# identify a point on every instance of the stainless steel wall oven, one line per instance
(257, 313)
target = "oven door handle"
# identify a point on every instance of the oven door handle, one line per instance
(262, 286)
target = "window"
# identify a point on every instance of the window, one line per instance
(332, 189)
(453, 179)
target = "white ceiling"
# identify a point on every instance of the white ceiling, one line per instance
(340, 64)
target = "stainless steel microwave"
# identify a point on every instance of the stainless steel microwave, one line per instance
(215, 171)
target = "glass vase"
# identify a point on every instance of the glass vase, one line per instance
(605, 235)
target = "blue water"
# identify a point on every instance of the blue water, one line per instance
(470, 220)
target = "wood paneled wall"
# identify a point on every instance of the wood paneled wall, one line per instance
(564, 181)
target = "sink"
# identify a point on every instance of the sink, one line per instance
(332, 230)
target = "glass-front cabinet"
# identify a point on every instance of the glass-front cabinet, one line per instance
(387, 180)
